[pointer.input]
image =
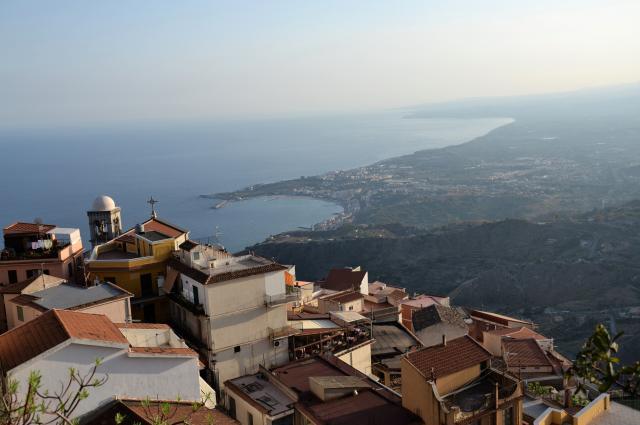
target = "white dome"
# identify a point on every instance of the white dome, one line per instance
(103, 203)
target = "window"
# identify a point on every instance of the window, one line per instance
(196, 296)
(20, 314)
(236, 349)
(32, 273)
(196, 256)
(249, 419)
(13, 276)
(232, 407)
(508, 416)
(350, 307)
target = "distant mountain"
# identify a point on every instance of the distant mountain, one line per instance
(600, 102)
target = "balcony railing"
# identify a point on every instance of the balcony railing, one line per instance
(291, 295)
(33, 254)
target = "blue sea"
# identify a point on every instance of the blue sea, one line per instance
(55, 173)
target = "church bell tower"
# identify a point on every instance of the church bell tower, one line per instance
(104, 220)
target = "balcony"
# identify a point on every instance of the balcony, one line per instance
(292, 294)
(196, 309)
(479, 398)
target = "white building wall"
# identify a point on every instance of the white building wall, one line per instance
(230, 364)
(154, 377)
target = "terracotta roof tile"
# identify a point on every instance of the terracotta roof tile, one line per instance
(135, 412)
(27, 228)
(343, 280)
(442, 360)
(345, 297)
(50, 329)
(519, 333)
(524, 353)
(157, 225)
(497, 318)
(126, 238)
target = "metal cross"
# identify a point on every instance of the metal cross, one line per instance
(153, 203)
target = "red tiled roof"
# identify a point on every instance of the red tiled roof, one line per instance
(157, 225)
(518, 333)
(524, 353)
(126, 238)
(343, 280)
(442, 360)
(375, 405)
(27, 228)
(346, 297)
(31, 339)
(139, 412)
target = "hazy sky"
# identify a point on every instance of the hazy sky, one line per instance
(85, 61)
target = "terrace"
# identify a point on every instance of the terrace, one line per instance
(492, 391)
(31, 241)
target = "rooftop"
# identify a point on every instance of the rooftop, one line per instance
(52, 328)
(519, 333)
(374, 405)
(498, 318)
(442, 360)
(238, 267)
(69, 296)
(139, 412)
(21, 228)
(261, 394)
(524, 353)
(392, 339)
(424, 301)
(479, 395)
(435, 314)
(344, 297)
(188, 245)
(32, 284)
(344, 279)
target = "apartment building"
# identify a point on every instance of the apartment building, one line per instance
(24, 301)
(138, 360)
(453, 383)
(31, 249)
(233, 309)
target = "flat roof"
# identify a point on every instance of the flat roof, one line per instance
(261, 393)
(65, 296)
(348, 316)
(154, 236)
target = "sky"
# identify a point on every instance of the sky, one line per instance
(80, 62)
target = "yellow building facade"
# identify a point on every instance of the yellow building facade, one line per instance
(137, 262)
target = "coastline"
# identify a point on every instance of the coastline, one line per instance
(349, 207)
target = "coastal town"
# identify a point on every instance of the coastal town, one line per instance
(148, 325)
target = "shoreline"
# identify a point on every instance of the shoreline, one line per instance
(349, 207)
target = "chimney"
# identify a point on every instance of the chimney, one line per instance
(444, 340)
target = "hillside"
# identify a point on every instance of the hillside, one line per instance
(565, 274)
